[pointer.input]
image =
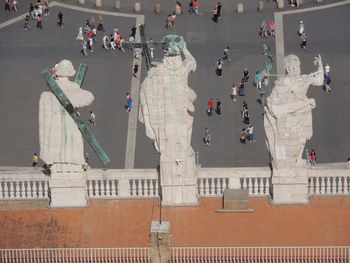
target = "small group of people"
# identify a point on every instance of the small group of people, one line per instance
(217, 12)
(193, 7)
(247, 132)
(35, 13)
(171, 21)
(11, 6)
(327, 79)
(267, 29)
(211, 107)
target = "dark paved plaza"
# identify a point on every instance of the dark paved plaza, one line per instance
(24, 54)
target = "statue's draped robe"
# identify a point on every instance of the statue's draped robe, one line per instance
(61, 142)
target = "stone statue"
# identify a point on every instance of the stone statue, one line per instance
(288, 117)
(166, 102)
(61, 142)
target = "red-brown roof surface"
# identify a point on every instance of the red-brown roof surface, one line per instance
(126, 223)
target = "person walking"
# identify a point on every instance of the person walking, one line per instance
(84, 47)
(190, 8)
(196, 7)
(226, 56)
(60, 19)
(128, 102)
(105, 41)
(207, 136)
(246, 117)
(243, 136)
(26, 23)
(301, 29)
(210, 107)
(219, 65)
(327, 82)
(245, 75)
(218, 106)
(38, 22)
(215, 14)
(312, 157)
(250, 135)
(15, 5)
(35, 160)
(92, 118)
(100, 26)
(234, 92)
(7, 5)
(219, 8)
(135, 70)
(303, 41)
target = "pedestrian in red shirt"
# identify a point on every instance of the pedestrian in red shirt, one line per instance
(210, 107)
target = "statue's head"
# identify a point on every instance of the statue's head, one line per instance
(292, 65)
(174, 44)
(65, 69)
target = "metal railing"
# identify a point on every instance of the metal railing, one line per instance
(70, 255)
(260, 254)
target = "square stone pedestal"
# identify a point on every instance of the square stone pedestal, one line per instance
(291, 189)
(68, 190)
(173, 195)
(160, 242)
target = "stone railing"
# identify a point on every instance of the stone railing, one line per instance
(123, 183)
(329, 179)
(213, 181)
(260, 254)
(81, 255)
(23, 184)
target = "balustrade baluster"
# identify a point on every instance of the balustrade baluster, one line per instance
(250, 186)
(113, 188)
(245, 183)
(329, 185)
(6, 190)
(19, 189)
(322, 185)
(317, 185)
(108, 188)
(151, 188)
(311, 185)
(206, 185)
(12, 191)
(156, 187)
(200, 186)
(40, 190)
(35, 190)
(346, 185)
(88, 192)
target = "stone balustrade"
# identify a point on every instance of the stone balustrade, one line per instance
(122, 183)
(23, 184)
(329, 179)
(213, 181)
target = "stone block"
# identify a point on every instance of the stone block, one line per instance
(98, 3)
(177, 10)
(81, 2)
(240, 8)
(157, 8)
(280, 4)
(236, 199)
(160, 242)
(137, 7)
(260, 5)
(117, 4)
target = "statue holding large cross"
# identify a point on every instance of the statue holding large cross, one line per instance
(61, 132)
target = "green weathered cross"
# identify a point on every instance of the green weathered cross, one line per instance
(72, 112)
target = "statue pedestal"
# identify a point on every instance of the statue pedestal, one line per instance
(173, 195)
(68, 190)
(290, 186)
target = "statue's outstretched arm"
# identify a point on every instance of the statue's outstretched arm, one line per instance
(189, 61)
